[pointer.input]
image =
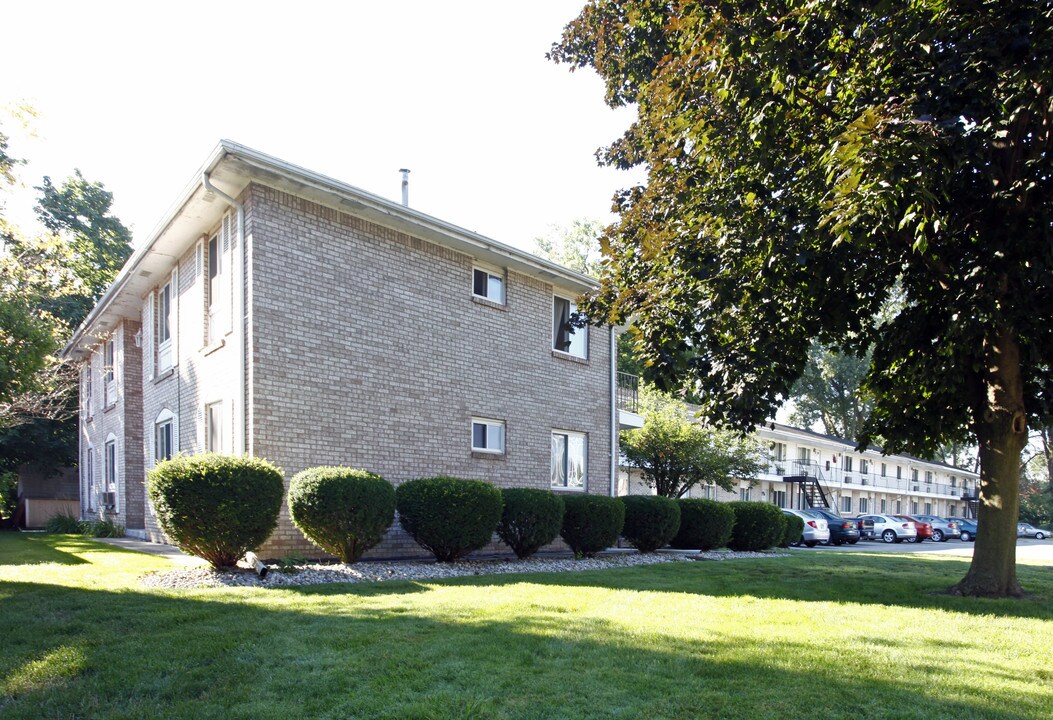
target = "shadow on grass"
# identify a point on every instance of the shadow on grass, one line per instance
(349, 652)
(25, 549)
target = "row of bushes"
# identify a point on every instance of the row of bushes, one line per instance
(71, 525)
(219, 507)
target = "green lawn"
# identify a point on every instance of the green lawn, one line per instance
(810, 636)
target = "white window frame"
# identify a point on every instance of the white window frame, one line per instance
(864, 506)
(109, 465)
(846, 503)
(212, 410)
(109, 371)
(493, 436)
(490, 292)
(746, 493)
(89, 391)
(165, 419)
(213, 294)
(163, 321)
(563, 464)
(846, 463)
(89, 477)
(577, 344)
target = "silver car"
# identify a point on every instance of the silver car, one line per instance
(816, 529)
(942, 528)
(888, 528)
(1029, 530)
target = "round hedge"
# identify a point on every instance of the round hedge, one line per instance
(704, 524)
(344, 511)
(216, 506)
(758, 526)
(450, 517)
(794, 530)
(651, 521)
(531, 518)
(591, 523)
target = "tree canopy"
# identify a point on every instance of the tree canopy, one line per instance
(829, 391)
(675, 453)
(805, 161)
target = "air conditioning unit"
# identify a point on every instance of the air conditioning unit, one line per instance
(108, 500)
(915, 488)
(848, 480)
(863, 481)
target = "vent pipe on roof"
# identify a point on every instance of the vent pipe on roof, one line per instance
(405, 187)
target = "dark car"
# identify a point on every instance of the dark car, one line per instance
(967, 528)
(842, 530)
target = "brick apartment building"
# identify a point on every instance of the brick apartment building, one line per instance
(282, 314)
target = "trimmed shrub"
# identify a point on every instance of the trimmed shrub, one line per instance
(215, 506)
(758, 526)
(704, 524)
(531, 518)
(65, 524)
(591, 523)
(450, 517)
(651, 521)
(794, 530)
(344, 511)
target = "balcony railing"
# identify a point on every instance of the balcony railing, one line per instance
(833, 477)
(628, 392)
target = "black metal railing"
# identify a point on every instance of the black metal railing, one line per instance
(628, 392)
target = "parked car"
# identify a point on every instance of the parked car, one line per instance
(942, 528)
(888, 528)
(924, 529)
(842, 530)
(1029, 530)
(815, 528)
(967, 529)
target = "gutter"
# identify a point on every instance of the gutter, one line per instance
(614, 411)
(239, 313)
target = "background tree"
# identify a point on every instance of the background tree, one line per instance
(48, 284)
(830, 391)
(804, 159)
(675, 453)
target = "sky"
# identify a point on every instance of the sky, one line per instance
(498, 139)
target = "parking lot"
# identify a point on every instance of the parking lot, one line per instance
(1026, 548)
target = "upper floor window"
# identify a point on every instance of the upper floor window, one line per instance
(954, 483)
(899, 472)
(928, 476)
(568, 460)
(109, 374)
(804, 454)
(488, 435)
(864, 466)
(213, 290)
(848, 463)
(884, 469)
(565, 337)
(778, 451)
(89, 390)
(487, 285)
(914, 474)
(164, 328)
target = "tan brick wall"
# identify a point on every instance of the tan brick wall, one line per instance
(368, 350)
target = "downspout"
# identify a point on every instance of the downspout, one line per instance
(239, 313)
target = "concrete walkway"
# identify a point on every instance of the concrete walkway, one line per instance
(171, 552)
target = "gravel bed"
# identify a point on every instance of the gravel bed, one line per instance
(317, 573)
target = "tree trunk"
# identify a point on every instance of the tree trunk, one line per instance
(1001, 429)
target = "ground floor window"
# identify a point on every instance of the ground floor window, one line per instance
(883, 506)
(928, 508)
(89, 477)
(110, 473)
(899, 507)
(214, 430)
(568, 459)
(846, 504)
(488, 435)
(952, 510)
(914, 507)
(864, 505)
(709, 492)
(778, 498)
(745, 493)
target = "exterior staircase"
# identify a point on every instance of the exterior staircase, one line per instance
(809, 478)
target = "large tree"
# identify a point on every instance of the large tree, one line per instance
(674, 452)
(804, 159)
